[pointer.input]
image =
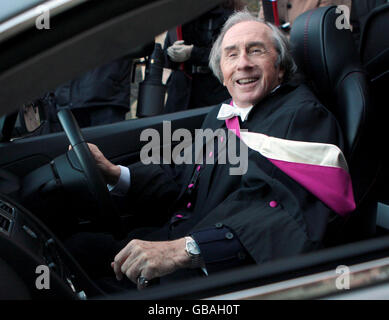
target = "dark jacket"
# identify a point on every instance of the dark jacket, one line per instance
(108, 85)
(232, 216)
(191, 89)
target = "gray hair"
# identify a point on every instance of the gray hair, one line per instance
(284, 61)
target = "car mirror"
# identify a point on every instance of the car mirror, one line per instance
(29, 121)
(31, 117)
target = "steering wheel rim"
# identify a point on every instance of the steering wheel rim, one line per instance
(107, 213)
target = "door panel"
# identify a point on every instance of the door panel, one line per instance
(120, 142)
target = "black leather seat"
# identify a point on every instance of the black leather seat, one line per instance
(374, 52)
(329, 59)
(374, 46)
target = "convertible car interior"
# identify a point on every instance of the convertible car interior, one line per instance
(48, 192)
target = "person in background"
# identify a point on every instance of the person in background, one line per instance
(99, 96)
(191, 83)
(289, 10)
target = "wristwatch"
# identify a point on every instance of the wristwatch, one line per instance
(193, 251)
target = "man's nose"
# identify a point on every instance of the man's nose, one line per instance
(244, 61)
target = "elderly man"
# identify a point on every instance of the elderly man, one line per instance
(295, 182)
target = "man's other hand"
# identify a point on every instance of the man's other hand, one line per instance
(150, 259)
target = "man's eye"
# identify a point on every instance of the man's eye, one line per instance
(257, 51)
(232, 55)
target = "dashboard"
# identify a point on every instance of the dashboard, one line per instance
(34, 264)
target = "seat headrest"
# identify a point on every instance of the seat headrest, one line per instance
(322, 50)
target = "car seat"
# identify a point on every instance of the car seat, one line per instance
(374, 53)
(326, 55)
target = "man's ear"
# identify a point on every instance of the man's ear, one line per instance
(281, 74)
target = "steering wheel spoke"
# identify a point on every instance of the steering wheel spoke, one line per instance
(107, 214)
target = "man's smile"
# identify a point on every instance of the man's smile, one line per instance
(246, 81)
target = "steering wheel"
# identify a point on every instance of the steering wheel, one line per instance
(107, 213)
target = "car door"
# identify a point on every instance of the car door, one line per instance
(120, 142)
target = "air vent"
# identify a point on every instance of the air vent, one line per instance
(5, 224)
(6, 208)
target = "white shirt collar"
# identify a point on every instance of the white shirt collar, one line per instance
(244, 112)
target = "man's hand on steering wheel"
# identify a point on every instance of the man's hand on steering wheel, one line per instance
(111, 172)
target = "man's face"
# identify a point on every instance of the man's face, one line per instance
(248, 62)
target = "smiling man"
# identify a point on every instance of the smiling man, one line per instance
(249, 66)
(296, 181)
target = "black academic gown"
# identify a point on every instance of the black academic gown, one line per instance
(240, 205)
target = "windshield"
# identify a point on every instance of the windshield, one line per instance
(9, 8)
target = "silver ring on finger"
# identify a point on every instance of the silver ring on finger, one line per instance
(142, 281)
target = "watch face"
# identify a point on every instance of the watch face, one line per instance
(192, 248)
